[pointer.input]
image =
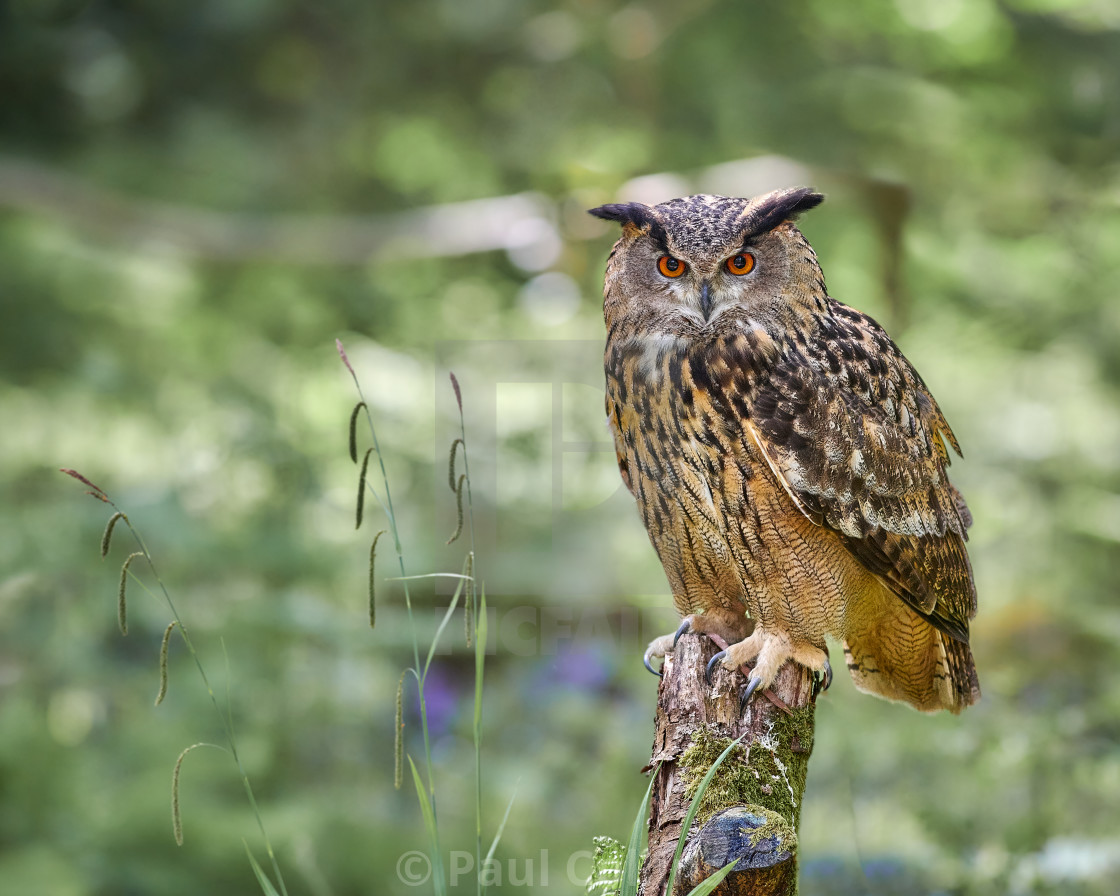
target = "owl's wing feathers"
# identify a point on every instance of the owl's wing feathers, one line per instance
(853, 434)
(614, 422)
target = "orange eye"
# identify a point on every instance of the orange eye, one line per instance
(740, 264)
(671, 267)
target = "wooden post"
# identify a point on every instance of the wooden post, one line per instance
(752, 809)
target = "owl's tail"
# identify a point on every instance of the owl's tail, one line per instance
(961, 669)
(893, 652)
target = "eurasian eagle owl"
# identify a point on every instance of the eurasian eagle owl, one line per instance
(788, 461)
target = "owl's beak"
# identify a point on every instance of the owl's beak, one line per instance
(705, 298)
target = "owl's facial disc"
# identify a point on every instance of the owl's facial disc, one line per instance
(694, 289)
(702, 288)
(705, 265)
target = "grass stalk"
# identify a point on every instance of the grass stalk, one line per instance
(226, 717)
(428, 796)
(474, 615)
(476, 611)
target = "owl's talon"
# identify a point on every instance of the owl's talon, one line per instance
(752, 686)
(712, 664)
(684, 629)
(822, 680)
(646, 657)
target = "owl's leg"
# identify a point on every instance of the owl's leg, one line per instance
(771, 650)
(722, 626)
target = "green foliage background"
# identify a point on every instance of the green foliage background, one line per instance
(971, 146)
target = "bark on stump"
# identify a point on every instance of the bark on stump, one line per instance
(752, 809)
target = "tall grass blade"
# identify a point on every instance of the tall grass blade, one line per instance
(439, 631)
(479, 669)
(428, 575)
(430, 826)
(634, 847)
(479, 662)
(262, 878)
(706, 887)
(501, 827)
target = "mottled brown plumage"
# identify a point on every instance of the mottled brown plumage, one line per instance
(787, 460)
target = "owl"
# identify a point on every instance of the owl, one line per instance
(788, 462)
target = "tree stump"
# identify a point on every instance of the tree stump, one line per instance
(752, 809)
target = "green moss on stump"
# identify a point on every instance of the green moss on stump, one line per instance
(770, 778)
(774, 825)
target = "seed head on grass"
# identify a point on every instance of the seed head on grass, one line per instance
(372, 558)
(458, 392)
(451, 463)
(176, 818)
(468, 603)
(163, 648)
(122, 604)
(107, 536)
(122, 620)
(354, 430)
(398, 735)
(458, 508)
(95, 490)
(342, 354)
(362, 488)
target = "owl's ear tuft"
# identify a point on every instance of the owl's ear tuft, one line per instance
(625, 213)
(636, 215)
(780, 206)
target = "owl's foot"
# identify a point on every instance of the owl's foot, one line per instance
(769, 652)
(752, 684)
(656, 650)
(821, 683)
(660, 646)
(722, 626)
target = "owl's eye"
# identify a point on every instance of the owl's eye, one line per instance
(740, 264)
(671, 267)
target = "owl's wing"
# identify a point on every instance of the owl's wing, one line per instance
(852, 433)
(614, 421)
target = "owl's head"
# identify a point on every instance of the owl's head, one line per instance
(684, 264)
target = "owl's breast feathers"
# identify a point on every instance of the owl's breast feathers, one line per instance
(845, 426)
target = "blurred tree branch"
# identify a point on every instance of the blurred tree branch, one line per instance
(513, 222)
(443, 230)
